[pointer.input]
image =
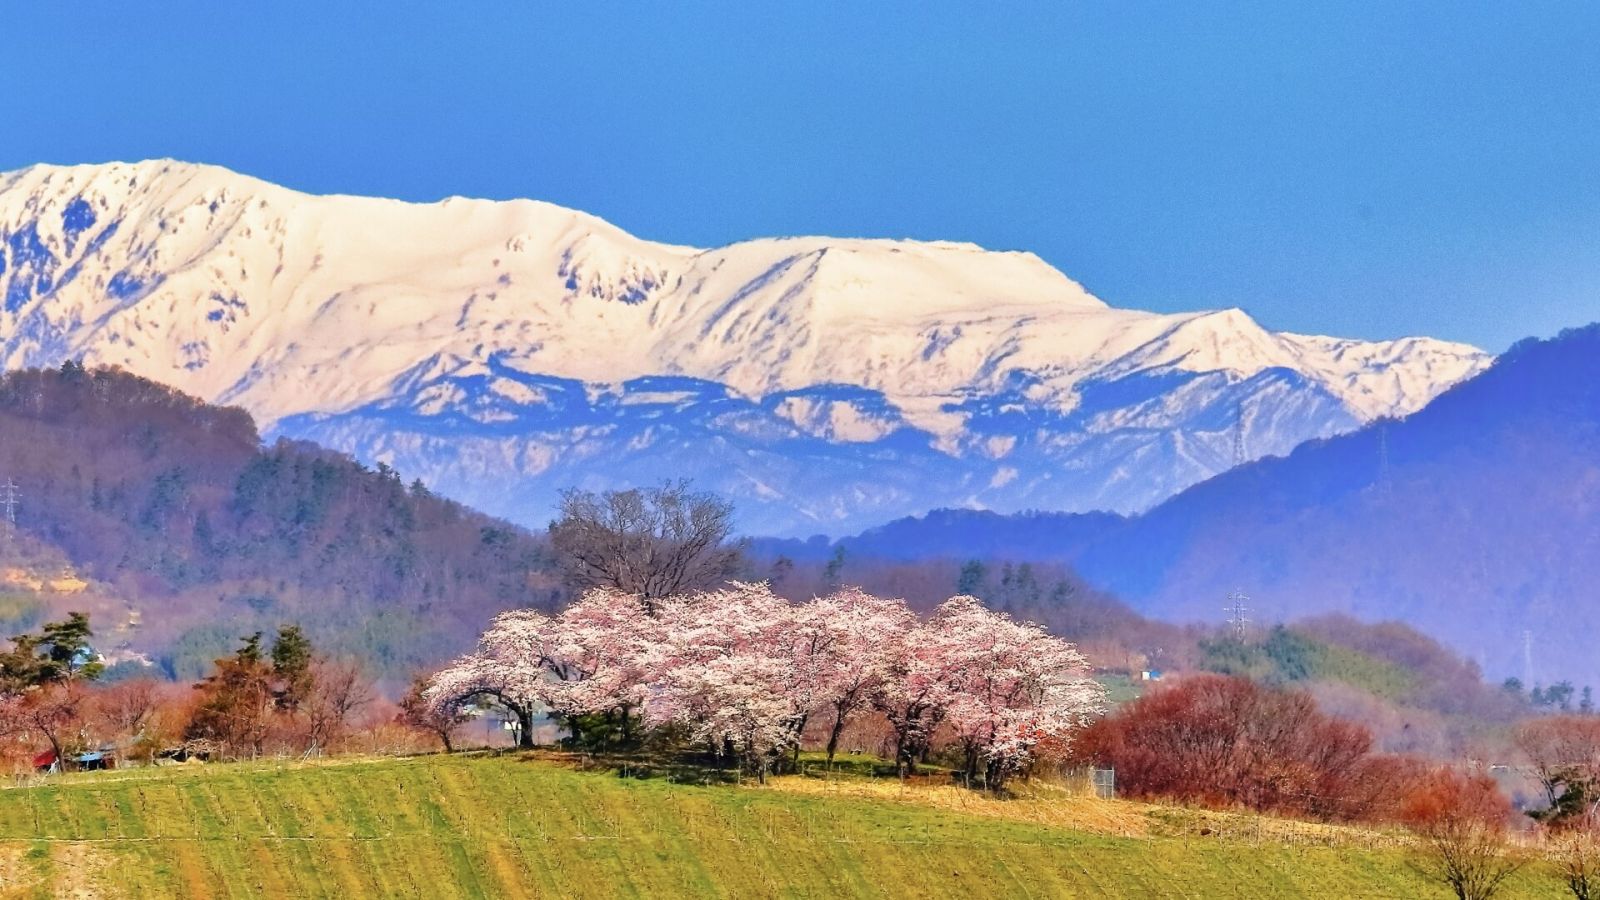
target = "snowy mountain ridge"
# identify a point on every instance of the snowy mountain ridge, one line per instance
(502, 350)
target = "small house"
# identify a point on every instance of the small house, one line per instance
(94, 761)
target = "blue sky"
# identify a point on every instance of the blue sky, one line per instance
(1365, 170)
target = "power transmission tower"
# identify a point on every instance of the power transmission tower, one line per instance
(1383, 456)
(1238, 614)
(8, 500)
(1238, 435)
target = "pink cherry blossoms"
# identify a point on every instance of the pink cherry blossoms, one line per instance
(742, 671)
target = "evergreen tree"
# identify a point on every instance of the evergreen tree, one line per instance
(60, 652)
(235, 711)
(970, 582)
(291, 667)
(830, 572)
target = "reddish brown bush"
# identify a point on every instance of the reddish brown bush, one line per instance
(1461, 820)
(1225, 741)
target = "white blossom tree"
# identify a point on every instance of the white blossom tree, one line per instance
(597, 654)
(1012, 686)
(584, 660)
(847, 645)
(480, 676)
(725, 672)
(916, 689)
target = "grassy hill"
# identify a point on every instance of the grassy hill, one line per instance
(483, 826)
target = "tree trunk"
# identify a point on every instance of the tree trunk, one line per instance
(524, 728)
(902, 755)
(833, 736)
(55, 747)
(799, 733)
(994, 777)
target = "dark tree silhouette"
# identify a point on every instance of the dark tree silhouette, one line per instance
(654, 542)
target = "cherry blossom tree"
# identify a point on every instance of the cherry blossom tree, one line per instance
(479, 676)
(598, 654)
(916, 689)
(584, 660)
(725, 672)
(1000, 686)
(845, 648)
(1012, 686)
(507, 669)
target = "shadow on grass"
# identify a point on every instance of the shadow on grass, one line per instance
(689, 769)
(708, 769)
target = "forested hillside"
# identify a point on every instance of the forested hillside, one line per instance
(181, 532)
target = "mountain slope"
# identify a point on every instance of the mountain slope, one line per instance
(503, 350)
(1476, 520)
(181, 533)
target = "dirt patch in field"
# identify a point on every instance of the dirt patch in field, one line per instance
(79, 872)
(18, 877)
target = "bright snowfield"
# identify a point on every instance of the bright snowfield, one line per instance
(502, 351)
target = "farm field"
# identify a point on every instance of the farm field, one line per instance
(532, 826)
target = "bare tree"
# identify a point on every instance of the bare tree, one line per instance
(1575, 850)
(1565, 754)
(654, 542)
(1461, 823)
(440, 720)
(337, 690)
(128, 709)
(51, 711)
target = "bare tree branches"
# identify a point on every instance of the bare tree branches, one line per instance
(653, 542)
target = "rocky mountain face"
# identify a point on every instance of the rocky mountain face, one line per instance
(502, 351)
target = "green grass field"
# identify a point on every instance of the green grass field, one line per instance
(508, 826)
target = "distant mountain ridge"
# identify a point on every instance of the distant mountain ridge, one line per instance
(504, 350)
(1476, 520)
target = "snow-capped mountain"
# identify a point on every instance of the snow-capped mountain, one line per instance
(502, 351)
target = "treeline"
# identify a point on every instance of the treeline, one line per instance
(269, 697)
(176, 507)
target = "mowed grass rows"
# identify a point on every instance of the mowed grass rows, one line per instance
(507, 826)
